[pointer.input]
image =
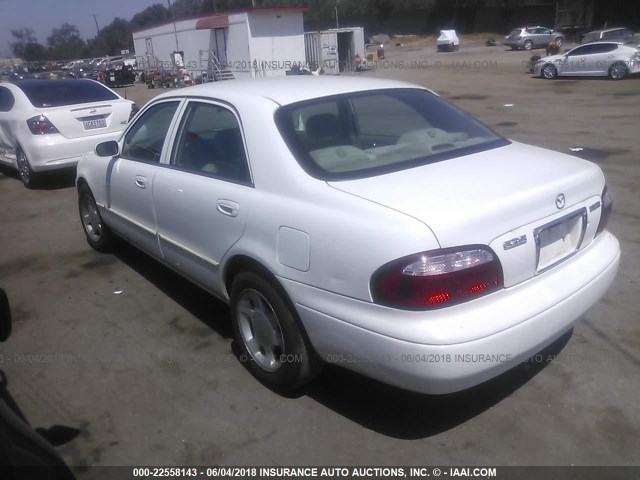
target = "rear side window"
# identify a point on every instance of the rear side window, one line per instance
(145, 140)
(58, 93)
(210, 142)
(6, 100)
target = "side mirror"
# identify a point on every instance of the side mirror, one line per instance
(107, 149)
(5, 316)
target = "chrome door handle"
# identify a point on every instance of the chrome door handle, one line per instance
(141, 181)
(229, 208)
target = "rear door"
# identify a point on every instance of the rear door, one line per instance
(7, 145)
(130, 176)
(203, 198)
(602, 56)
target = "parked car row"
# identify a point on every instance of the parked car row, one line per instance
(613, 52)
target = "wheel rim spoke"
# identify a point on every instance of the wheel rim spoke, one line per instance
(260, 330)
(91, 219)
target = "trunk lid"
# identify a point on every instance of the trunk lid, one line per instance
(74, 121)
(504, 198)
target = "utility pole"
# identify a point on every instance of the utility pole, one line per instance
(96, 20)
(336, 8)
(175, 30)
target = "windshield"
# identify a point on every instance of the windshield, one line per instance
(57, 93)
(370, 133)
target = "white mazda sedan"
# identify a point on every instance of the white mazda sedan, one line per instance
(366, 223)
(51, 124)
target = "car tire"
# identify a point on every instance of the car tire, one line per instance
(618, 71)
(269, 336)
(98, 234)
(549, 71)
(528, 45)
(559, 41)
(27, 175)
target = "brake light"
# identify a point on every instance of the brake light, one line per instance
(607, 206)
(134, 109)
(41, 125)
(437, 279)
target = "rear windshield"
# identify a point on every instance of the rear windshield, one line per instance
(58, 93)
(370, 133)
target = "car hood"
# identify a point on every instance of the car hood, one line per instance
(476, 198)
(551, 58)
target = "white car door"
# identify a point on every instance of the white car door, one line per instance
(575, 61)
(130, 176)
(601, 58)
(7, 124)
(203, 197)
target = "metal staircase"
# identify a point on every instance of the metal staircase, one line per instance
(218, 72)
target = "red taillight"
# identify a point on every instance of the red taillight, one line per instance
(41, 125)
(607, 206)
(134, 109)
(437, 279)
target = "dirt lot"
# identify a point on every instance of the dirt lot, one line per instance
(149, 377)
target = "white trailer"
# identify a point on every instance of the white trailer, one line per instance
(251, 43)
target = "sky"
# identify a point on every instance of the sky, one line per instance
(44, 15)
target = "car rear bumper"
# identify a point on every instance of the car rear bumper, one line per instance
(540, 309)
(49, 152)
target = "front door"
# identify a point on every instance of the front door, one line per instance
(131, 174)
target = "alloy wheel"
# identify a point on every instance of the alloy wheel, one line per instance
(260, 330)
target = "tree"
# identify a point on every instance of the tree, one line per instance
(152, 15)
(26, 45)
(117, 36)
(65, 43)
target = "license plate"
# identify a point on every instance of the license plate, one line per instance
(560, 239)
(95, 123)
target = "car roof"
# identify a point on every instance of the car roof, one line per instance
(608, 30)
(289, 89)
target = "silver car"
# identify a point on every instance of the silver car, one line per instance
(599, 59)
(532, 37)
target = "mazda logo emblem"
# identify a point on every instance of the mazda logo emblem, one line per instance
(560, 200)
(93, 110)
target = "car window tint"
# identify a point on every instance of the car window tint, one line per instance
(6, 100)
(609, 47)
(369, 133)
(584, 50)
(210, 142)
(57, 93)
(145, 139)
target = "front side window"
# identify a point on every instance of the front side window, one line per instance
(145, 139)
(585, 50)
(210, 142)
(370, 133)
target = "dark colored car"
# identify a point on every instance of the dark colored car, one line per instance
(611, 34)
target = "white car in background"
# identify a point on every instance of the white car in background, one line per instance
(51, 124)
(598, 59)
(367, 223)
